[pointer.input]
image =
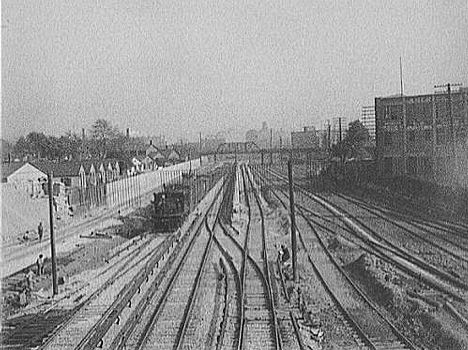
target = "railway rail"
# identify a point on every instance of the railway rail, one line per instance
(456, 238)
(375, 242)
(160, 318)
(382, 334)
(50, 320)
(101, 303)
(259, 325)
(96, 320)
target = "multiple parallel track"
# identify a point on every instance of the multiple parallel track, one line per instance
(259, 325)
(355, 307)
(153, 310)
(162, 316)
(376, 244)
(81, 316)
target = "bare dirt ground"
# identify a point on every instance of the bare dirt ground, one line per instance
(418, 311)
(20, 302)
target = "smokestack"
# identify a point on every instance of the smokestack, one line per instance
(83, 134)
(128, 133)
(151, 142)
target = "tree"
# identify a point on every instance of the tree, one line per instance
(103, 137)
(70, 146)
(353, 144)
(36, 144)
(21, 147)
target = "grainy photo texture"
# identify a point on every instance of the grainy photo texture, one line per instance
(230, 174)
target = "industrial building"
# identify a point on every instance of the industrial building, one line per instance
(368, 120)
(307, 138)
(424, 136)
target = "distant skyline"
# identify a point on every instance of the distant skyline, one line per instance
(180, 68)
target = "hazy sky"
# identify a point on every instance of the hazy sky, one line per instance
(180, 67)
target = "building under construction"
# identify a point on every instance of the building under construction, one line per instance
(424, 136)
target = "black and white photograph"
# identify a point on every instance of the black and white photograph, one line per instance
(234, 175)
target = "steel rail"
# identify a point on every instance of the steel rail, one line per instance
(144, 338)
(374, 210)
(99, 329)
(347, 315)
(266, 264)
(110, 281)
(388, 245)
(194, 293)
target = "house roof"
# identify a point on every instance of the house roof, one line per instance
(10, 168)
(156, 155)
(64, 169)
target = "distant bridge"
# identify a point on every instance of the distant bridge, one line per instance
(239, 148)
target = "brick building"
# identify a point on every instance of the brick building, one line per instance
(424, 136)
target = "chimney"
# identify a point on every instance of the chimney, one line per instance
(306, 128)
(83, 133)
(151, 142)
(128, 133)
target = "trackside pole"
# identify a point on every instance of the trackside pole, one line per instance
(52, 239)
(293, 222)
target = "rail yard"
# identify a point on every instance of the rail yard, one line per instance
(226, 273)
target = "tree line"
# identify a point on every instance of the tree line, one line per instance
(105, 140)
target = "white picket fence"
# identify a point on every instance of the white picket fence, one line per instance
(127, 190)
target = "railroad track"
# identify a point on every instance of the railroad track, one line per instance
(50, 320)
(101, 301)
(377, 243)
(450, 236)
(416, 210)
(98, 318)
(161, 316)
(259, 324)
(355, 308)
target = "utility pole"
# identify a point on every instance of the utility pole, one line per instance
(405, 141)
(341, 139)
(271, 146)
(52, 239)
(200, 149)
(329, 136)
(339, 126)
(449, 98)
(293, 221)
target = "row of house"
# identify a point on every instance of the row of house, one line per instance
(155, 158)
(31, 177)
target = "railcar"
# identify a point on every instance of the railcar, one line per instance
(170, 209)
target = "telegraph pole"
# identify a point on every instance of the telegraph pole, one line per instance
(405, 141)
(200, 149)
(341, 139)
(271, 146)
(293, 221)
(339, 126)
(52, 239)
(449, 98)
